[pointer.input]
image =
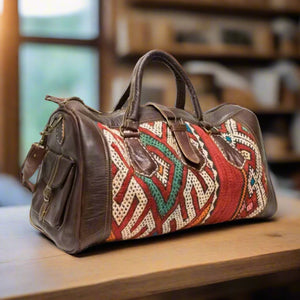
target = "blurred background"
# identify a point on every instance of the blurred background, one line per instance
(235, 51)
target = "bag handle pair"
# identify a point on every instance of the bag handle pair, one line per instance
(180, 99)
(133, 91)
(141, 160)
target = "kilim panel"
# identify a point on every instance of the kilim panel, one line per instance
(178, 195)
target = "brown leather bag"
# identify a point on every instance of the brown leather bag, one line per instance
(146, 170)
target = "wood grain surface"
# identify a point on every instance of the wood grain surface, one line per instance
(31, 267)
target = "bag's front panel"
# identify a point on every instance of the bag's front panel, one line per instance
(177, 195)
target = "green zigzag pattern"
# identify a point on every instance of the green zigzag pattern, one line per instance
(163, 207)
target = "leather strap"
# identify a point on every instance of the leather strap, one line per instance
(132, 112)
(141, 160)
(181, 135)
(31, 163)
(180, 85)
(129, 128)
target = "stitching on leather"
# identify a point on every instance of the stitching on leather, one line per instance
(61, 139)
(75, 117)
(227, 116)
(63, 155)
(107, 189)
(109, 182)
(168, 61)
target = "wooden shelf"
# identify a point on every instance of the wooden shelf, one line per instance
(239, 57)
(287, 158)
(257, 13)
(277, 111)
(252, 9)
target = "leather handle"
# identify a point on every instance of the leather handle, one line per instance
(132, 112)
(180, 86)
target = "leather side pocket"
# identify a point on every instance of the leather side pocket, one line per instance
(57, 178)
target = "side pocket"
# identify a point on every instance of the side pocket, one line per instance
(57, 178)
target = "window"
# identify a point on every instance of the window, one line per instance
(66, 71)
(56, 18)
(58, 56)
(47, 47)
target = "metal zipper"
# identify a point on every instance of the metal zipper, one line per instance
(47, 192)
(49, 128)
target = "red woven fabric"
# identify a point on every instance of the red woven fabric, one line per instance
(177, 195)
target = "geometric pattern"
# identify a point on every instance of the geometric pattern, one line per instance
(239, 137)
(163, 171)
(178, 195)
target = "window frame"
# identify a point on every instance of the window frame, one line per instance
(10, 42)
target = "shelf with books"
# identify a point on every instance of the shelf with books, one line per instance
(239, 35)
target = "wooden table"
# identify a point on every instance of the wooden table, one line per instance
(31, 267)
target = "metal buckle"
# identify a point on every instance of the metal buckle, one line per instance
(128, 133)
(212, 130)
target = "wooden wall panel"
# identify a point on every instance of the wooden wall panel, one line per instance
(9, 89)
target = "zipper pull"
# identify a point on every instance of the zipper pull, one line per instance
(48, 129)
(47, 193)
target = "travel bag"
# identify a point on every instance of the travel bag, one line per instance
(145, 170)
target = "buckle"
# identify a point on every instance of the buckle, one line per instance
(129, 133)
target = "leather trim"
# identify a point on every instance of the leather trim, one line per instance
(253, 125)
(232, 155)
(31, 163)
(221, 113)
(115, 119)
(96, 199)
(66, 237)
(180, 100)
(140, 158)
(188, 150)
(180, 132)
(87, 219)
